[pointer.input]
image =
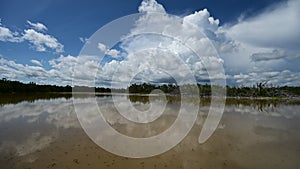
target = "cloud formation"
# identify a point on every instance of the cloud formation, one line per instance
(6, 35)
(60, 72)
(282, 78)
(38, 26)
(276, 27)
(151, 6)
(111, 52)
(36, 62)
(271, 37)
(264, 47)
(13, 70)
(266, 56)
(83, 40)
(40, 41)
(171, 37)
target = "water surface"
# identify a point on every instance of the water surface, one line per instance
(45, 133)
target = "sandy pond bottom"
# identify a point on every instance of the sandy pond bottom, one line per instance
(47, 134)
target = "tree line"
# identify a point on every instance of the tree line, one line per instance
(258, 90)
(8, 86)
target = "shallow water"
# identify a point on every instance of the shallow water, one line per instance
(45, 133)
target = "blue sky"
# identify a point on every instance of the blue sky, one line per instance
(39, 33)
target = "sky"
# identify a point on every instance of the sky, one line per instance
(254, 41)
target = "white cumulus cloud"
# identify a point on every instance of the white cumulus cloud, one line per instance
(151, 6)
(114, 53)
(38, 26)
(42, 41)
(102, 47)
(111, 52)
(6, 35)
(36, 62)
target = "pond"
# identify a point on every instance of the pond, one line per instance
(44, 132)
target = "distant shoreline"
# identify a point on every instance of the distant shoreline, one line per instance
(14, 98)
(204, 90)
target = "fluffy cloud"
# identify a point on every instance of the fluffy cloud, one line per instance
(160, 67)
(151, 6)
(277, 27)
(111, 52)
(102, 47)
(202, 20)
(38, 26)
(36, 62)
(161, 48)
(7, 35)
(60, 72)
(160, 59)
(13, 70)
(42, 41)
(80, 70)
(114, 53)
